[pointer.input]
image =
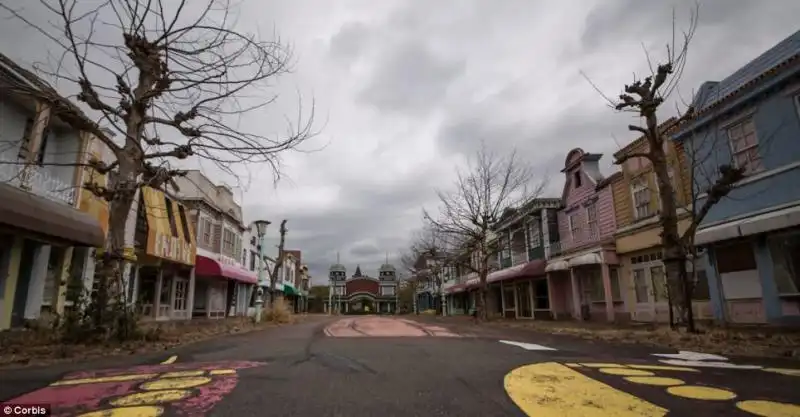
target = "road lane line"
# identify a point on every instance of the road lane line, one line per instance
(170, 360)
(553, 390)
(526, 346)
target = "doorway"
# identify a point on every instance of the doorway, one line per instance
(509, 302)
(23, 282)
(525, 307)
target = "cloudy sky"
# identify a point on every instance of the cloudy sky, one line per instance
(404, 90)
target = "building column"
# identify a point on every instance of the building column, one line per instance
(608, 292)
(766, 273)
(157, 295)
(134, 293)
(715, 290)
(551, 300)
(10, 267)
(576, 294)
(89, 265)
(62, 280)
(33, 303)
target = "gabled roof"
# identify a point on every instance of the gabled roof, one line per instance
(772, 60)
(776, 64)
(664, 127)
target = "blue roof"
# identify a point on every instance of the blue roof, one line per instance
(711, 92)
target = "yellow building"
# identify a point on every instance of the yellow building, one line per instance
(638, 235)
(164, 279)
(43, 234)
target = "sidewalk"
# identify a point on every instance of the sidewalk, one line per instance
(752, 342)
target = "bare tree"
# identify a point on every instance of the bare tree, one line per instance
(409, 262)
(172, 81)
(645, 97)
(465, 221)
(277, 263)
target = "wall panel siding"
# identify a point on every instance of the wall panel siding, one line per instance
(623, 208)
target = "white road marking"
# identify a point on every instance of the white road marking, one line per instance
(526, 346)
(691, 356)
(170, 360)
(708, 364)
(702, 360)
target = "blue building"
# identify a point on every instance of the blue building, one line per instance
(751, 119)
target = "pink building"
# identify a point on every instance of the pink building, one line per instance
(582, 270)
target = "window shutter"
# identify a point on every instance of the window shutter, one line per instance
(216, 238)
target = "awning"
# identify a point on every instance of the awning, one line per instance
(289, 289)
(211, 268)
(530, 269)
(762, 223)
(456, 289)
(20, 209)
(557, 266)
(586, 259)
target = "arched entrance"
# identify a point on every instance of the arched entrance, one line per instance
(361, 303)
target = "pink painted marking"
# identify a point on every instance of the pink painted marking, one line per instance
(70, 400)
(383, 327)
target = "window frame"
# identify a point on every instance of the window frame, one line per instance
(573, 224)
(171, 216)
(577, 179)
(750, 168)
(591, 220)
(534, 234)
(639, 185)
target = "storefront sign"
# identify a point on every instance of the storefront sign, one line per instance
(171, 247)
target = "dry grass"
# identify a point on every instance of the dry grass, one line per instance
(430, 312)
(752, 341)
(279, 312)
(40, 346)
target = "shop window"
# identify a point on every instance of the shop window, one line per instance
(616, 293)
(736, 257)
(785, 252)
(593, 284)
(184, 223)
(640, 285)
(659, 280)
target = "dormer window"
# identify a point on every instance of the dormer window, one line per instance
(577, 180)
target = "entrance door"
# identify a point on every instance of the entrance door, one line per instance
(509, 302)
(164, 298)
(23, 282)
(525, 309)
(180, 305)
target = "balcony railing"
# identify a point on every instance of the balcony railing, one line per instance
(519, 258)
(555, 249)
(38, 181)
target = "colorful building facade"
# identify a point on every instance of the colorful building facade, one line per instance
(638, 234)
(584, 271)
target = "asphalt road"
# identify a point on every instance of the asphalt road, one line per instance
(385, 366)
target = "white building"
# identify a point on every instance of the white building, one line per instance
(224, 282)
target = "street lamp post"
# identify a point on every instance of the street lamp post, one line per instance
(261, 230)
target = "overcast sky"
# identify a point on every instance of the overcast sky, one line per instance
(405, 89)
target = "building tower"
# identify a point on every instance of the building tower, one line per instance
(337, 276)
(387, 276)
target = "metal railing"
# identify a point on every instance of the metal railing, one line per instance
(39, 181)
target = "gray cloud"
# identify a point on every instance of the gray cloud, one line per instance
(406, 89)
(411, 79)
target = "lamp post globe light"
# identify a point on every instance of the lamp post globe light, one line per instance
(261, 231)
